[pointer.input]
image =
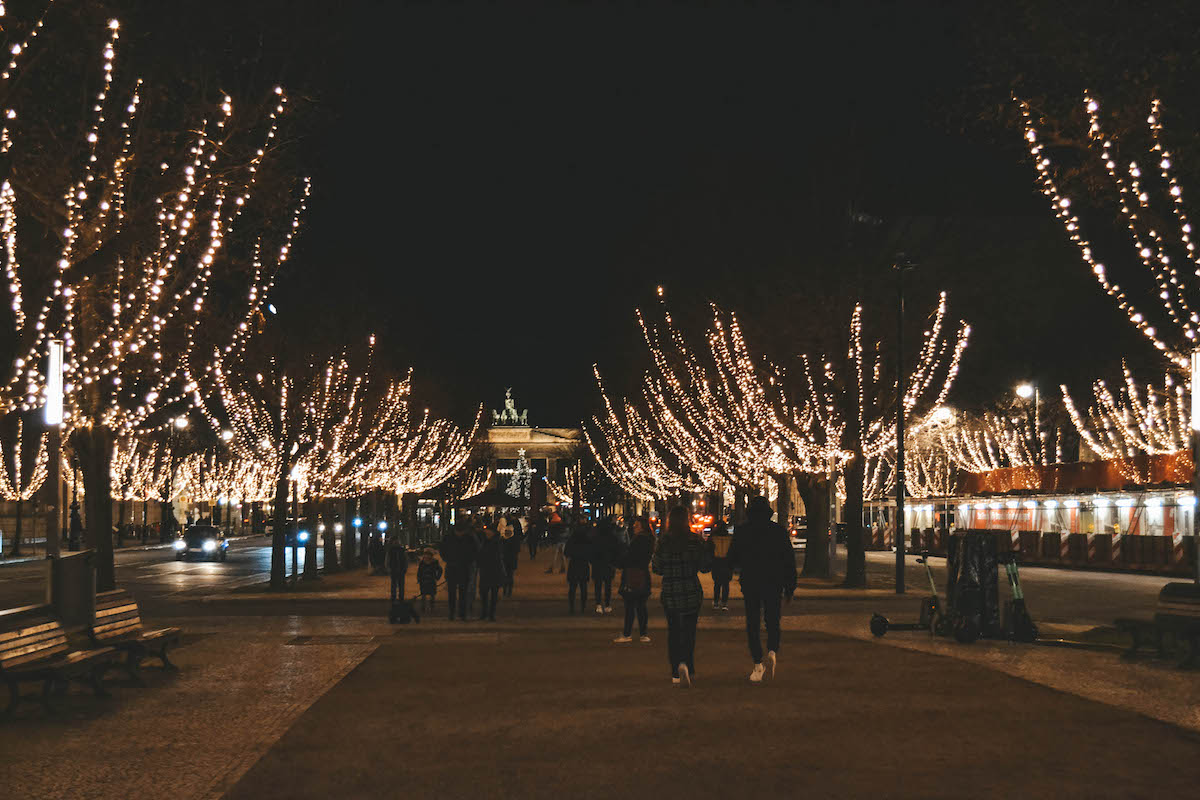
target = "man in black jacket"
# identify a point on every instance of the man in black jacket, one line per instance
(763, 551)
(458, 550)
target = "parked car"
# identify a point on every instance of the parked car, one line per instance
(204, 541)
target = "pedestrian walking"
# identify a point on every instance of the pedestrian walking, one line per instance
(606, 551)
(635, 579)
(491, 573)
(535, 531)
(718, 549)
(578, 552)
(510, 544)
(396, 558)
(476, 533)
(429, 572)
(458, 550)
(558, 533)
(762, 550)
(680, 555)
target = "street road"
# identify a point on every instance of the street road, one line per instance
(153, 574)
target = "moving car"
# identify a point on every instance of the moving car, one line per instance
(204, 541)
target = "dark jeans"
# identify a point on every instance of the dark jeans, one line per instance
(427, 600)
(603, 585)
(508, 585)
(397, 586)
(681, 641)
(721, 593)
(583, 594)
(488, 596)
(636, 605)
(533, 546)
(457, 589)
(766, 603)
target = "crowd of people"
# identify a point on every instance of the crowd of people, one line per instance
(481, 555)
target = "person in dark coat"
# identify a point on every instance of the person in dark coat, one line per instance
(557, 536)
(458, 550)
(397, 567)
(635, 579)
(510, 544)
(763, 551)
(537, 530)
(429, 572)
(376, 555)
(491, 573)
(578, 552)
(606, 552)
(680, 556)
(718, 547)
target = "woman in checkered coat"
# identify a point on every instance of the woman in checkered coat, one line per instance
(680, 555)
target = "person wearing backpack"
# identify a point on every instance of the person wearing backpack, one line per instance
(718, 546)
(635, 580)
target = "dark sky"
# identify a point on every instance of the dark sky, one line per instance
(497, 190)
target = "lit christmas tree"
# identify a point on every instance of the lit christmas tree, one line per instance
(518, 486)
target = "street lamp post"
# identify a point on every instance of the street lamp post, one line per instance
(902, 265)
(54, 420)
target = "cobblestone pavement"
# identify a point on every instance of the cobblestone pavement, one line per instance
(189, 734)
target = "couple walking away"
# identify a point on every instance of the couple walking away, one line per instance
(763, 551)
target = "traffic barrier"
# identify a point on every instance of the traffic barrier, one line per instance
(1100, 549)
(1052, 546)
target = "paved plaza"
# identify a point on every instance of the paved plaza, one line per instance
(311, 693)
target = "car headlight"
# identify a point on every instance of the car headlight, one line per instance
(210, 545)
(302, 536)
(180, 544)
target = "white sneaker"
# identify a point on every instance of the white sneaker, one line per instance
(684, 676)
(622, 638)
(644, 638)
(599, 609)
(771, 664)
(756, 674)
(608, 609)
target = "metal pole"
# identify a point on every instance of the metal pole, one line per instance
(53, 479)
(832, 513)
(900, 390)
(1196, 461)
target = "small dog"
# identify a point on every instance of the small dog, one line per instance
(404, 612)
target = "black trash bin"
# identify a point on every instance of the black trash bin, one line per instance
(972, 582)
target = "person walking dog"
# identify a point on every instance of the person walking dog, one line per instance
(763, 551)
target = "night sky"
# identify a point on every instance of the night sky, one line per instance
(496, 191)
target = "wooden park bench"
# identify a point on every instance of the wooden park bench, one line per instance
(33, 647)
(1177, 619)
(118, 625)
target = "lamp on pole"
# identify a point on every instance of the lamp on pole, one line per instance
(54, 420)
(1026, 391)
(901, 266)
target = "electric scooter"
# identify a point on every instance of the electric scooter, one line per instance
(1018, 625)
(939, 620)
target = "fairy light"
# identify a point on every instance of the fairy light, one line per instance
(718, 417)
(15, 484)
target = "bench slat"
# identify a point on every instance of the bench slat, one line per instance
(27, 641)
(127, 608)
(17, 633)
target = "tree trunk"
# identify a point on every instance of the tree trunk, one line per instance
(856, 553)
(16, 551)
(348, 560)
(278, 537)
(330, 537)
(120, 522)
(814, 491)
(94, 446)
(739, 506)
(783, 505)
(310, 547)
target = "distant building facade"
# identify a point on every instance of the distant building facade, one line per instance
(548, 450)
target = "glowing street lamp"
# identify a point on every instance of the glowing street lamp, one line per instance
(1025, 390)
(54, 420)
